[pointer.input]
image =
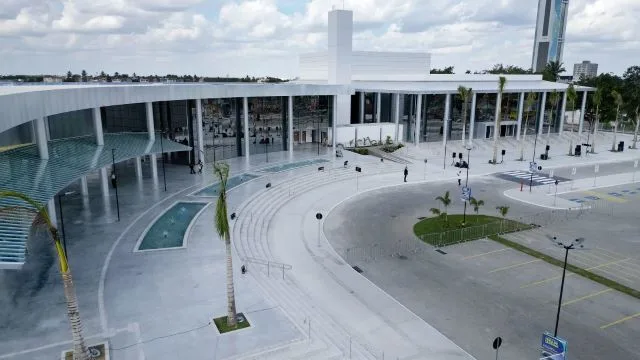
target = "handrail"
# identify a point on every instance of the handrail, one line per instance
(267, 263)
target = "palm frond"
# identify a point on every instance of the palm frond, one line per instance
(435, 211)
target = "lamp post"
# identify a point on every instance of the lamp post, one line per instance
(164, 173)
(64, 236)
(466, 183)
(319, 218)
(575, 244)
(115, 183)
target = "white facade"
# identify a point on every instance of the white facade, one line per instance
(551, 26)
(585, 69)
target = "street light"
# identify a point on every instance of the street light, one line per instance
(466, 183)
(64, 237)
(576, 244)
(115, 183)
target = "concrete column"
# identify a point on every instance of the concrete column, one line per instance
(396, 114)
(543, 105)
(84, 187)
(563, 109)
(51, 209)
(104, 182)
(151, 129)
(334, 125)
(290, 124)
(138, 162)
(418, 117)
(361, 112)
(97, 126)
(245, 125)
(378, 107)
(41, 138)
(472, 121)
(447, 114)
(154, 167)
(520, 109)
(47, 129)
(582, 109)
(200, 130)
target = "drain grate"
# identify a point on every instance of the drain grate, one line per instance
(441, 252)
(356, 268)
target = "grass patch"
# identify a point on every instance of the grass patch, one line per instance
(221, 323)
(437, 232)
(574, 269)
(361, 151)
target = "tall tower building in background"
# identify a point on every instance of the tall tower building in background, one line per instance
(585, 69)
(551, 25)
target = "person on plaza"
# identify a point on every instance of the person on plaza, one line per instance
(191, 168)
(406, 172)
(114, 181)
(200, 166)
(459, 180)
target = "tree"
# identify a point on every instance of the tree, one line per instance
(69, 75)
(445, 201)
(607, 82)
(572, 97)
(552, 70)
(84, 76)
(476, 204)
(528, 104)
(502, 81)
(617, 98)
(447, 70)
(221, 170)
(597, 100)
(102, 74)
(42, 219)
(465, 95)
(554, 97)
(509, 69)
(631, 87)
(503, 210)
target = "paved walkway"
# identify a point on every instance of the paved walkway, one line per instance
(325, 307)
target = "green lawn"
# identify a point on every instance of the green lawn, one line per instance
(221, 324)
(437, 232)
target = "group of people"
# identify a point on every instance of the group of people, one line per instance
(192, 167)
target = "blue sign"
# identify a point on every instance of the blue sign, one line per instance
(552, 346)
(466, 193)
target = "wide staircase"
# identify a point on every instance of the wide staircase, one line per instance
(22, 170)
(325, 337)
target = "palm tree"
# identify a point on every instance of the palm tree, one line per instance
(597, 100)
(496, 128)
(572, 97)
(503, 210)
(637, 121)
(553, 70)
(445, 201)
(80, 350)
(531, 99)
(465, 95)
(554, 98)
(221, 170)
(476, 204)
(617, 98)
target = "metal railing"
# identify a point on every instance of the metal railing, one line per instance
(268, 264)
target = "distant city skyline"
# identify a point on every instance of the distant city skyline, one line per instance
(263, 37)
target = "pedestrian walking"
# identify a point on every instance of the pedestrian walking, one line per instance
(459, 180)
(114, 181)
(200, 166)
(191, 168)
(406, 172)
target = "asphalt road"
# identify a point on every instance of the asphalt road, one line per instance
(472, 298)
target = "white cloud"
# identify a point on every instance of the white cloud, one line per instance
(263, 36)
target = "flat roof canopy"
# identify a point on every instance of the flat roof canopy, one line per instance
(451, 87)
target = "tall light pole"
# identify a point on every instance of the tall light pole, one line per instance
(115, 183)
(466, 183)
(575, 244)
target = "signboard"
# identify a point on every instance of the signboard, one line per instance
(466, 193)
(533, 167)
(573, 171)
(596, 168)
(553, 347)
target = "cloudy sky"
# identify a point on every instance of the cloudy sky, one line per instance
(263, 37)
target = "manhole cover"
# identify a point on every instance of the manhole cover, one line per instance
(356, 268)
